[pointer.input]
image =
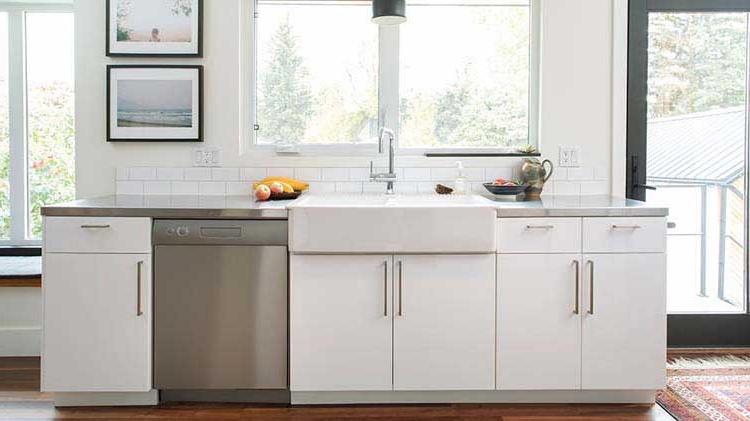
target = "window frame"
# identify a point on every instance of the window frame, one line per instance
(17, 117)
(388, 95)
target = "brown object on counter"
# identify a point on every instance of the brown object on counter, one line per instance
(441, 189)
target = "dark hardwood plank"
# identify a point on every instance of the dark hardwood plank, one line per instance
(21, 282)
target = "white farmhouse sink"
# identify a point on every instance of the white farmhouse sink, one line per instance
(392, 224)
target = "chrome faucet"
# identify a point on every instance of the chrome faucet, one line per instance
(390, 176)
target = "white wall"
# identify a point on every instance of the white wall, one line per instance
(576, 102)
(20, 322)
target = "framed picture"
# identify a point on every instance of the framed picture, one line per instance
(156, 28)
(154, 103)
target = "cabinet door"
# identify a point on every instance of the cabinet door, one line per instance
(624, 334)
(97, 323)
(538, 328)
(341, 323)
(444, 328)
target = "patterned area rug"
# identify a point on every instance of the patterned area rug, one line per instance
(707, 387)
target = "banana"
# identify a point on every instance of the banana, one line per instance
(288, 187)
(295, 184)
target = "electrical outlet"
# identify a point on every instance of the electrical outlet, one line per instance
(570, 156)
(207, 157)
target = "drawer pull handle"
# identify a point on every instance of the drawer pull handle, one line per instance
(540, 227)
(96, 227)
(400, 289)
(626, 227)
(577, 307)
(591, 287)
(139, 306)
(385, 290)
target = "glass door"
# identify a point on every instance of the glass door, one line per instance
(687, 150)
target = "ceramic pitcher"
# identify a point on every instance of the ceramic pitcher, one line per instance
(535, 175)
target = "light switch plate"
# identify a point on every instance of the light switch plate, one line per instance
(570, 156)
(208, 156)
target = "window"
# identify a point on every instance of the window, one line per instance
(458, 74)
(36, 117)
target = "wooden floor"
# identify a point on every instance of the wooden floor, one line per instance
(20, 400)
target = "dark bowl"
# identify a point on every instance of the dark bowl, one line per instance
(504, 190)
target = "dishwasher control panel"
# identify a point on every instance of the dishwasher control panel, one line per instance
(228, 232)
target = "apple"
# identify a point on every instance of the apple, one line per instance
(277, 188)
(262, 193)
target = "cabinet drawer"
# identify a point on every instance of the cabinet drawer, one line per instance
(97, 235)
(624, 235)
(539, 235)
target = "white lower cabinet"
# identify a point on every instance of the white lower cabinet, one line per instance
(585, 321)
(624, 334)
(97, 323)
(444, 330)
(538, 327)
(374, 322)
(341, 323)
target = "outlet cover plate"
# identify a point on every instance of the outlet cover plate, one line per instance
(570, 156)
(208, 156)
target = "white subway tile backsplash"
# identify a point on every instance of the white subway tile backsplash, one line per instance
(239, 188)
(252, 174)
(280, 172)
(121, 174)
(566, 188)
(185, 188)
(197, 174)
(225, 174)
(142, 173)
(349, 187)
(307, 174)
(417, 174)
(157, 188)
(594, 187)
(580, 174)
(322, 187)
(212, 188)
(129, 187)
(171, 174)
(335, 174)
(238, 181)
(359, 174)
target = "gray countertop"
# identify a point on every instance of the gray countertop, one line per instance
(172, 207)
(244, 207)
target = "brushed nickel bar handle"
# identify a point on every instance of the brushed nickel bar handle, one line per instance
(626, 227)
(591, 287)
(400, 289)
(540, 227)
(89, 227)
(385, 289)
(139, 306)
(577, 308)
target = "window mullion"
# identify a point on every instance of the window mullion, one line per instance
(17, 126)
(388, 77)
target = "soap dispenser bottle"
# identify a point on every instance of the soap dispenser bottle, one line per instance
(460, 184)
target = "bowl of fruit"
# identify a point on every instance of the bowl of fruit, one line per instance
(504, 187)
(279, 188)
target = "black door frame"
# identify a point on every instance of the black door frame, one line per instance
(683, 330)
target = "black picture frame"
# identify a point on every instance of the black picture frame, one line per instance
(198, 54)
(108, 120)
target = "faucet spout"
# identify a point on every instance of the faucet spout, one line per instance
(390, 177)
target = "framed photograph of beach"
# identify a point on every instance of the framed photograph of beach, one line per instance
(156, 28)
(159, 103)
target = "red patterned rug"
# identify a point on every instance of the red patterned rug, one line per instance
(707, 387)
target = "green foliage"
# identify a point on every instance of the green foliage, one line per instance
(182, 7)
(123, 10)
(285, 101)
(696, 62)
(51, 142)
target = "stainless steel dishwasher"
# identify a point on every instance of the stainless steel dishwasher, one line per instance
(220, 302)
